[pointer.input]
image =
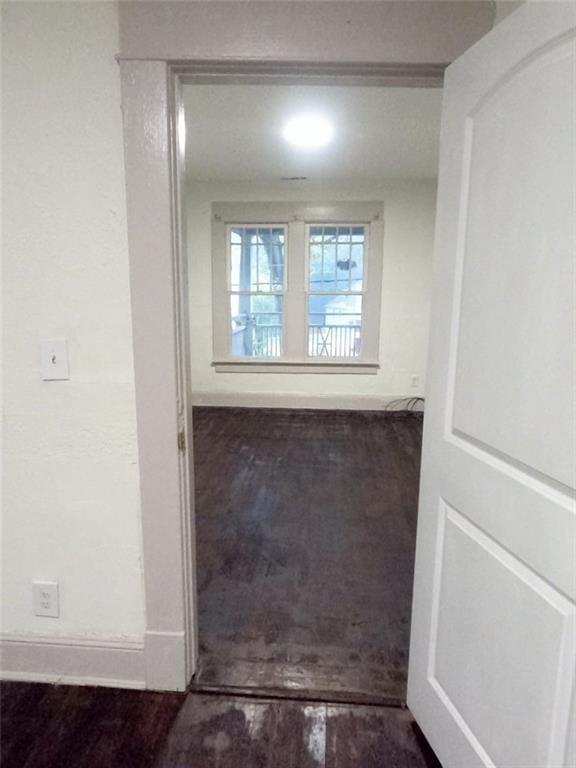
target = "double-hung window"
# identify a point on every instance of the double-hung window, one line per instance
(297, 285)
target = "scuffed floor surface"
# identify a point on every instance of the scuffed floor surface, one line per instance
(234, 732)
(46, 726)
(306, 527)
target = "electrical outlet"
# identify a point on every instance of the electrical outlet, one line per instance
(46, 602)
(415, 381)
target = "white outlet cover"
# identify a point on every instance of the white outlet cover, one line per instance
(54, 360)
(45, 595)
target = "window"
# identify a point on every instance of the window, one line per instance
(256, 268)
(296, 285)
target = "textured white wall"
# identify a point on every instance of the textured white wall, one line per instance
(409, 208)
(71, 496)
(504, 8)
(315, 30)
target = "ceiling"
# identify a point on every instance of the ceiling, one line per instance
(234, 132)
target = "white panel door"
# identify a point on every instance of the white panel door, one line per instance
(493, 646)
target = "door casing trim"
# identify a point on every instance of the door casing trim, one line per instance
(158, 280)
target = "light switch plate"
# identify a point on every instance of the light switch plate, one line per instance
(45, 594)
(55, 360)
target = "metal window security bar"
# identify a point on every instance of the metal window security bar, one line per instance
(257, 277)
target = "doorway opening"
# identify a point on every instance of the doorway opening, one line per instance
(309, 215)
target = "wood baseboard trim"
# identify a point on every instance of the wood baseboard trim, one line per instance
(166, 668)
(74, 660)
(298, 400)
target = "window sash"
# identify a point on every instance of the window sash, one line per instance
(249, 225)
(365, 258)
(325, 338)
(265, 335)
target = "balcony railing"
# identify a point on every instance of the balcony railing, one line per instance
(323, 341)
(334, 340)
(257, 340)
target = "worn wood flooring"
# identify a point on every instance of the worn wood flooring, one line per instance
(306, 527)
(45, 726)
(61, 726)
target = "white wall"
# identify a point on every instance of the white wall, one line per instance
(409, 208)
(504, 8)
(419, 31)
(71, 496)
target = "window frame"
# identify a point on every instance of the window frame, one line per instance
(296, 219)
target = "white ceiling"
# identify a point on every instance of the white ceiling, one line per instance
(234, 132)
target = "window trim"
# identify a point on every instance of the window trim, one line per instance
(297, 218)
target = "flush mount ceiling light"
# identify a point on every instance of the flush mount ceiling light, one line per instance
(308, 131)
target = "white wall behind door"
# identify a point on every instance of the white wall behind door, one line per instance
(71, 481)
(409, 208)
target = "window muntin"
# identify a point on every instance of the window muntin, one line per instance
(256, 273)
(335, 285)
(257, 258)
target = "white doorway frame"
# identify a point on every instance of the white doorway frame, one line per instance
(159, 290)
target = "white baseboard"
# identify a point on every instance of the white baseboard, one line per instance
(298, 400)
(166, 661)
(74, 660)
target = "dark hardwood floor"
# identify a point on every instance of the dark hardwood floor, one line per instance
(306, 526)
(45, 726)
(233, 732)
(62, 726)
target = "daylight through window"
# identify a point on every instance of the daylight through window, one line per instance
(257, 285)
(297, 289)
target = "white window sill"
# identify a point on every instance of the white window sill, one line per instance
(282, 366)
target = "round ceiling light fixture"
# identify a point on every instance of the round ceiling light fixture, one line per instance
(309, 130)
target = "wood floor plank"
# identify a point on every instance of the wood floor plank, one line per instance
(375, 737)
(228, 732)
(49, 726)
(306, 526)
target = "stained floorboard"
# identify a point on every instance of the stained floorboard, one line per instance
(48, 726)
(306, 525)
(228, 732)
(60, 726)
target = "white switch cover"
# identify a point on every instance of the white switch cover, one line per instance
(55, 360)
(46, 601)
(415, 381)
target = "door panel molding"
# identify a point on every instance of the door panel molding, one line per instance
(516, 469)
(562, 666)
(556, 49)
